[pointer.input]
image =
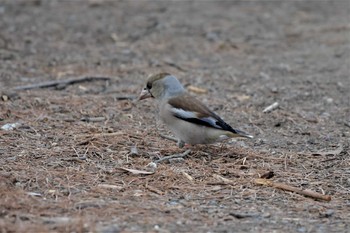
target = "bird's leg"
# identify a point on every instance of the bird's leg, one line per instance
(180, 143)
(222, 146)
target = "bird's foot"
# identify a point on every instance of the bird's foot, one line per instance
(180, 143)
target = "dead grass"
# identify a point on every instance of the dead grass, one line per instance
(59, 173)
(60, 169)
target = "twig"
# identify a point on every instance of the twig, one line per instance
(168, 137)
(155, 190)
(218, 183)
(75, 159)
(190, 178)
(110, 186)
(223, 179)
(136, 171)
(245, 215)
(97, 135)
(121, 97)
(181, 155)
(331, 152)
(347, 124)
(172, 64)
(93, 119)
(307, 193)
(271, 107)
(61, 83)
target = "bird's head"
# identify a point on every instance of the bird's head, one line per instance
(161, 85)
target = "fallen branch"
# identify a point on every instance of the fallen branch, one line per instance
(175, 156)
(307, 193)
(61, 83)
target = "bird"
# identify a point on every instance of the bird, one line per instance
(187, 117)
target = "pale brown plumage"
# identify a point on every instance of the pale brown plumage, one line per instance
(189, 103)
(188, 118)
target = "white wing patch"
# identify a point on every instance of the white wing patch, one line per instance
(192, 117)
(179, 112)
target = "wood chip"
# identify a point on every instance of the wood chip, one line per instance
(197, 90)
(190, 178)
(271, 107)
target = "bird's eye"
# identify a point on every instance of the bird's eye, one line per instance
(149, 85)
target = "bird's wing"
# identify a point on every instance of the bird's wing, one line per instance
(188, 108)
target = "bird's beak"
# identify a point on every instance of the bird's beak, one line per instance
(144, 94)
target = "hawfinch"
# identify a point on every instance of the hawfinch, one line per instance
(189, 119)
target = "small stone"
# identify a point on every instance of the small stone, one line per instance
(5, 98)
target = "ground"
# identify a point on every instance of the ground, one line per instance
(63, 166)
